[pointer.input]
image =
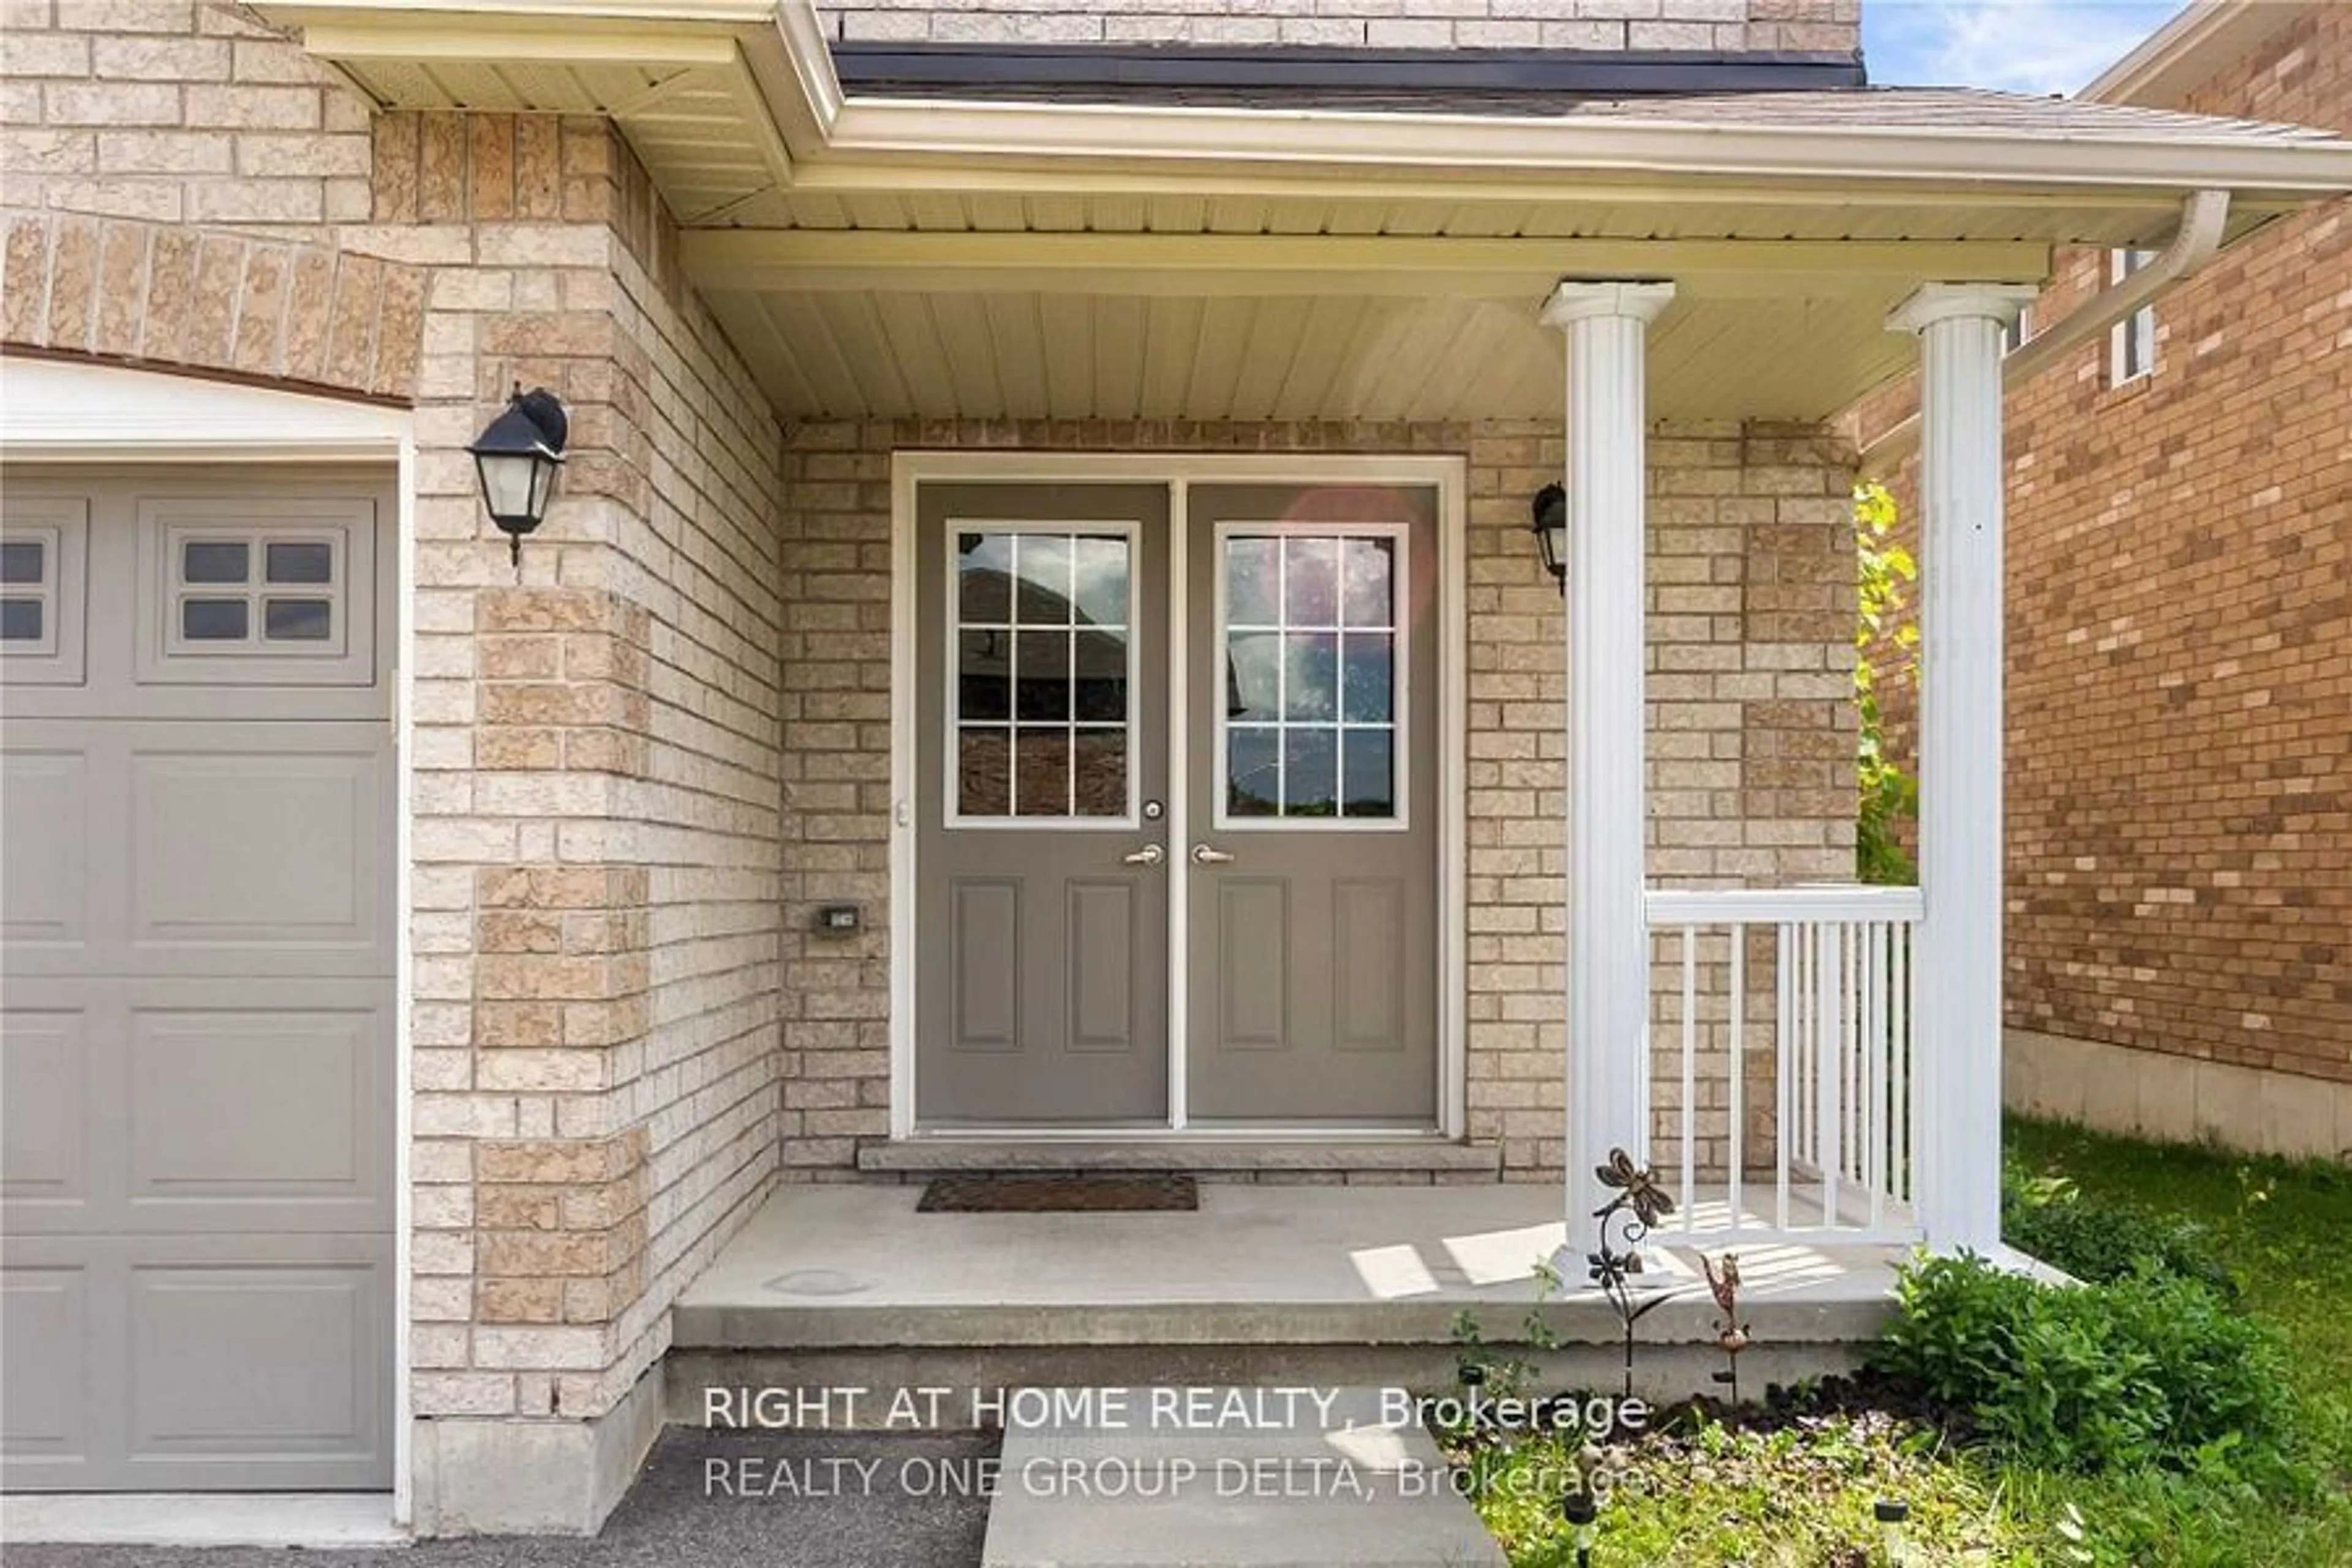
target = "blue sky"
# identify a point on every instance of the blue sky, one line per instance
(2024, 45)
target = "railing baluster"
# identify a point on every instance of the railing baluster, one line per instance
(1783, 1071)
(1830, 987)
(1874, 1040)
(1690, 1070)
(1909, 1068)
(1739, 1072)
(1856, 1108)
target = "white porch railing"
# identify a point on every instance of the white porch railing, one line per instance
(1782, 1085)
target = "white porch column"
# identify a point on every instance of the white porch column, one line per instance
(1608, 936)
(1958, 963)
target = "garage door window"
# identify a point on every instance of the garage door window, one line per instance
(28, 590)
(41, 542)
(273, 592)
(278, 595)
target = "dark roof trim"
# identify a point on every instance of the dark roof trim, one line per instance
(1148, 70)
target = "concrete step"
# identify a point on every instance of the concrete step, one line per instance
(1366, 1160)
(849, 1285)
(1234, 1477)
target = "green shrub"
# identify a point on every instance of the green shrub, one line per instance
(2150, 1368)
(2097, 1240)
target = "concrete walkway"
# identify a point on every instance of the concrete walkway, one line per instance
(1231, 1479)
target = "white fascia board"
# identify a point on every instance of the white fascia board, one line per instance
(461, 15)
(1306, 140)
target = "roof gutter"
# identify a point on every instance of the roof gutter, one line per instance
(2203, 218)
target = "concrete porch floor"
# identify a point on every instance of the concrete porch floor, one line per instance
(1326, 1283)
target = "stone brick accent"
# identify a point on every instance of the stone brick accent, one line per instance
(2180, 642)
(561, 1239)
(1751, 743)
(142, 293)
(1719, 25)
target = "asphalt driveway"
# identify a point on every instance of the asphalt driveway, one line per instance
(708, 1500)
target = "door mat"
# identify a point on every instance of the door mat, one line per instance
(1059, 1194)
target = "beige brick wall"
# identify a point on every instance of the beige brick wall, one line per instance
(596, 775)
(1695, 25)
(598, 762)
(1751, 570)
(2180, 836)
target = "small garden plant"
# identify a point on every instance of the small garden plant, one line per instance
(2188, 1405)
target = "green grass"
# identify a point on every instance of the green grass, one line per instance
(2285, 1231)
(1800, 1495)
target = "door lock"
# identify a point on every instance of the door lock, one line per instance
(1149, 855)
(1204, 856)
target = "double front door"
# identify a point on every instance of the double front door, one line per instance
(1177, 856)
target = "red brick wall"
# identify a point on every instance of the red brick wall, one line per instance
(2180, 778)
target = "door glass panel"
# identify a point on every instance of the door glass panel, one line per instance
(984, 772)
(1311, 676)
(1254, 582)
(22, 620)
(1041, 663)
(1367, 688)
(1310, 581)
(1366, 574)
(1311, 665)
(1042, 576)
(1367, 757)
(1310, 771)
(1042, 716)
(984, 578)
(1253, 771)
(1252, 677)
(1041, 771)
(984, 674)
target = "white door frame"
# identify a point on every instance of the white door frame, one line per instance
(58, 411)
(1448, 476)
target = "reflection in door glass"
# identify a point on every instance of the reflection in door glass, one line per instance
(1042, 712)
(1310, 675)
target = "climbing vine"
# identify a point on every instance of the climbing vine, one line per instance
(1889, 796)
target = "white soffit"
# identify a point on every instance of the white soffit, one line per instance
(930, 258)
(1022, 353)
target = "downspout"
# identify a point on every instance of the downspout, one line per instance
(2203, 216)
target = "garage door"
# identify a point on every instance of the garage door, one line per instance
(196, 815)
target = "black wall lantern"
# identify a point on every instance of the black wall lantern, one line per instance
(517, 457)
(1550, 525)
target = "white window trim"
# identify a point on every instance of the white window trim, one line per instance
(952, 817)
(1402, 716)
(58, 412)
(1448, 477)
(2135, 335)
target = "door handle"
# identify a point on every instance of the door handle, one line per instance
(1149, 855)
(1204, 856)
